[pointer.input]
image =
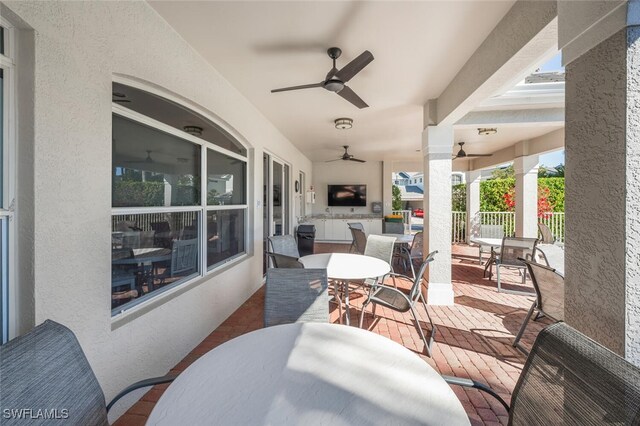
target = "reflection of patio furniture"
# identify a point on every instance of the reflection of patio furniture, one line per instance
(309, 374)
(46, 370)
(549, 286)
(145, 258)
(284, 244)
(295, 295)
(398, 301)
(570, 379)
(511, 250)
(162, 236)
(282, 261)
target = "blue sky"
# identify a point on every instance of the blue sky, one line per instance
(553, 64)
(552, 159)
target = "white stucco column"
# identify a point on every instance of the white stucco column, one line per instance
(473, 203)
(602, 201)
(387, 184)
(437, 146)
(526, 169)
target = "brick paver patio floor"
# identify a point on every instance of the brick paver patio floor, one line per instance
(473, 340)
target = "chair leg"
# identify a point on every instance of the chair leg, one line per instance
(498, 277)
(539, 315)
(433, 325)
(427, 344)
(524, 324)
(338, 300)
(364, 305)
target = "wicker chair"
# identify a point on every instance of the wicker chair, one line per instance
(394, 299)
(511, 251)
(359, 240)
(570, 379)
(46, 369)
(549, 286)
(284, 244)
(296, 295)
(282, 261)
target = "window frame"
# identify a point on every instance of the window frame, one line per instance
(202, 208)
(8, 282)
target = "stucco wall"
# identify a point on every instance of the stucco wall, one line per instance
(79, 46)
(602, 196)
(346, 172)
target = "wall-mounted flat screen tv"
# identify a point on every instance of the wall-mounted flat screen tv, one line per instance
(348, 195)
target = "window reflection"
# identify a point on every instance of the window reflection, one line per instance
(225, 235)
(151, 252)
(153, 168)
(225, 179)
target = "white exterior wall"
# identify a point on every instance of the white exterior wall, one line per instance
(79, 46)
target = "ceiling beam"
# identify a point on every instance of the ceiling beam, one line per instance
(517, 117)
(552, 141)
(525, 37)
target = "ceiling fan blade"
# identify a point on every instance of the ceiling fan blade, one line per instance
(331, 161)
(304, 86)
(479, 155)
(350, 95)
(354, 67)
(356, 159)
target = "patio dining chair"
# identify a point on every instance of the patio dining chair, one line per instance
(413, 252)
(359, 240)
(511, 250)
(284, 244)
(296, 295)
(278, 260)
(489, 231)
(397, 300)
(546, 234)
(46, 369)
(570, 379)
(549, 286)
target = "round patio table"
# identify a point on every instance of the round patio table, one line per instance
(309, 373)
(345, 267)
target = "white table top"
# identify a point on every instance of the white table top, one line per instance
(309, 374)
(347, 266)
(555, 256)
(494, 242)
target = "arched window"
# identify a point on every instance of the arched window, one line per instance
(179, 196)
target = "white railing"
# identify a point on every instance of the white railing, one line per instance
(458, 227)
(506, 219)
(406, 219)
(555, 222)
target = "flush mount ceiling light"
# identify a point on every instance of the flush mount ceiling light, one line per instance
(343, 123)
(193, 130)
(487, 131)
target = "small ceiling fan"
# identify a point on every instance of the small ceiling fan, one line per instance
(336, 79)
(462, 154)
(147, 160)
(346, 156)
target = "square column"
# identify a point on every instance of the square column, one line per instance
(437, 146)
(526, 169)
(602, 202)
(473, 204)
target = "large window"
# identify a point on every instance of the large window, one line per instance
(7, 177)
(179, 196)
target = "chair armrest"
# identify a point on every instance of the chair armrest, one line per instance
(468, 383)
(142, 384)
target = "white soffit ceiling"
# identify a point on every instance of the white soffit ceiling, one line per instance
(418, 47)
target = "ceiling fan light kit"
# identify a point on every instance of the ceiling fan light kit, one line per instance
(335, 79)
(193, 130)
(343, 123)
(485, 131)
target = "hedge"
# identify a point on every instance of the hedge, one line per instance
(492, 194)
(151, 194)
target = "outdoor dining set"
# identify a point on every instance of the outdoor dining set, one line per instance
(302, 369)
